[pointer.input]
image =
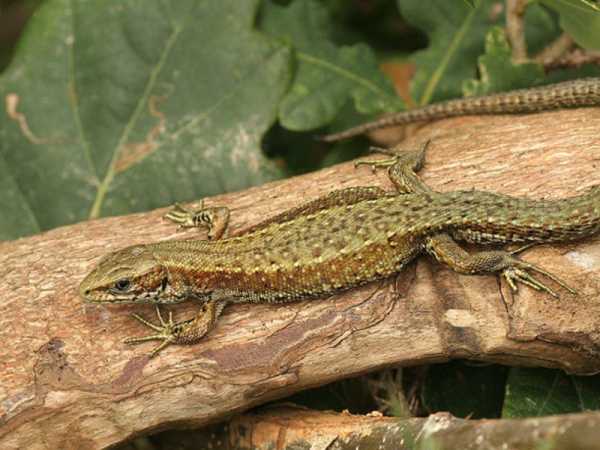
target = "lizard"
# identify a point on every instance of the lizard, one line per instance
(344, 239)
(573, 93)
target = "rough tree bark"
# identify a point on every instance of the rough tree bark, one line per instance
(285, 427)
(68, 381)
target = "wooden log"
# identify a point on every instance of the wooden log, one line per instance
(68, 381)
(287, 427)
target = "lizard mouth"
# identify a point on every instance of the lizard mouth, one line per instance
(96, 296)
(130, 301)
(88, 298)
(156, 296)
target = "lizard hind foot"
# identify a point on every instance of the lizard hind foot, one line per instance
(519, 272)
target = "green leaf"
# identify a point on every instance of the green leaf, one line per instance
(465, 390)
(16, 218)
(498, 72)
(541, 28)
(456, 35)
(541, 392)
(579, 18)
(326, 76)
(130, 105)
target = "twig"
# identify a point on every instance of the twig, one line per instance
(555, 50)
(515, 9)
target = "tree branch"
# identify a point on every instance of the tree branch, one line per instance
(515, 29)
(68, 381)
(555, 50)
(573, 59)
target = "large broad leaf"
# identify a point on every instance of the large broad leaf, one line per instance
(16, 217)
(326, 76)
(579, 18)
(541, 28)
(119, 106)
(456, 34)
(541, 392)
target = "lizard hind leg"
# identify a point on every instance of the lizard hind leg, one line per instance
(506, 264)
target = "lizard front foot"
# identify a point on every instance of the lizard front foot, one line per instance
(170, 332)
(379, 163)
(214, 218)
(167, 332)
(408, 160)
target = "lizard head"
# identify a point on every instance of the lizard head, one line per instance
(130, 275)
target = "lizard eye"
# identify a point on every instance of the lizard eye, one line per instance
(122, 285)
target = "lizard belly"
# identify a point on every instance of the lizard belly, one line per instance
(323, 276)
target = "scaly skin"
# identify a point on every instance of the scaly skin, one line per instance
(345, 239)
(568, 94)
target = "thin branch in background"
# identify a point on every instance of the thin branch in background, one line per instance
(515, 30)
(573, 59)
(555, 50)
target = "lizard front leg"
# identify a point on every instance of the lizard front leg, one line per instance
(180, 333)
(189, 331)
(214, 218)
(402, 168)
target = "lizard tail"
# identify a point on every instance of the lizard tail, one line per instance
(568, 94)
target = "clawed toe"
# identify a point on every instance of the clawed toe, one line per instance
(214, 218)
(380, 163)
(518, 272)
(185, 217)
